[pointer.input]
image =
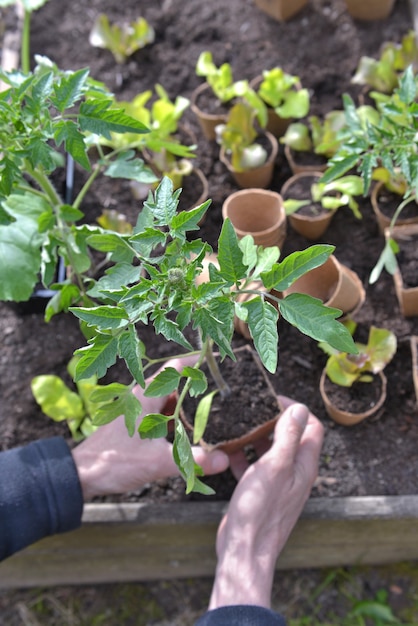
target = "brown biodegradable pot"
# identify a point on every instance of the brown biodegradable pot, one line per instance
(258, 176)
(345, 417)
(281, 10)
(246, 357)
(382, 219)
(369, 9)
(207, 121)
(311, 227)
(407, 296)
(257, 212)
(298, 167)
(333, 283)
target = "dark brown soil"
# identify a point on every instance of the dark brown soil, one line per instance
(359, 398)
(251, 396)
(300, 189)
(408, 262)
(322, 45)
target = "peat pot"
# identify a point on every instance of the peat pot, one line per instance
(407, 295)
(207, 121)
(281, 10)
(228, 428)
(310, 225)
(345, 416)
(257, 212)
(369, 10)
(384, 220)
(333, 283)
(311, 163)
(258, 176)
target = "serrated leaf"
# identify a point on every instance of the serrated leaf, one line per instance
(284, 274)
(262, 321)
(186, 221)
(217, 327)
(338, 168)
(96, 358)
(170, 331)
(202, 416)
(96, 117)
(112, 243)
(70, 89)
(164, 383)
(131, 168)
(198, 379)
(116, 400)
(163, 206)
(132, 350)
(154, 426)
(67, 132)
(230, 256)
(183, 456)
(104, 317)
(313, 318)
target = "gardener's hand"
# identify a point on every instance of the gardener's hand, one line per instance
(264, 509)
(110, 461)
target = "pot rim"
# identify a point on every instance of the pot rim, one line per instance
(281, 218)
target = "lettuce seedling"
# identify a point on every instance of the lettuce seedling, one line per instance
(154, 282)
(281, 92)
(331, 196)
(122, 40)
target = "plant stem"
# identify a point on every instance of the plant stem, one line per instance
(223, 387)
(86, 187)
(25, 45)
(398, 211)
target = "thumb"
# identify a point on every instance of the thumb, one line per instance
(213, 462)
(289, 430)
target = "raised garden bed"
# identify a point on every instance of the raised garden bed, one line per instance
(363, 508)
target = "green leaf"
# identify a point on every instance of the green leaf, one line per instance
(217, 325)
(313, 318)
(163, 205)
(20, 243)
(262, 321)
(284, 274)
(154, 426)
(96, 117)
(230, 256)
(340, 167)
(131, 168)
(113, 243)
(170, 331)
(104, 317)
(70, 89)
(96, 358)
(164, 383)
(67, 132)
(132, 350)
(186, 221)
(202, 415)
(183, 457)
(198, 379)
(56, 399)
(115, 400)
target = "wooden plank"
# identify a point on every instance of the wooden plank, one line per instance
(136, 542)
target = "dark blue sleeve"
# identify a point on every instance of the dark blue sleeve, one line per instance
(241, 615)
(40, 494)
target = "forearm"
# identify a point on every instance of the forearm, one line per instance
(40, 494)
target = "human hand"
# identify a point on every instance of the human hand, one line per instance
(110, 461)
(264, 509)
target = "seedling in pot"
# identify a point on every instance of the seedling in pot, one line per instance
(331, 196)
(391, 143)
(238, 139)
(167, 296)
(346, 369)
(282, 92)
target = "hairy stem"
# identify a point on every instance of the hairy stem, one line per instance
(223, 387)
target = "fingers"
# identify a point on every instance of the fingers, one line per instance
(288, 432)
(238, 464)
(310, 449)
(213, 462)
